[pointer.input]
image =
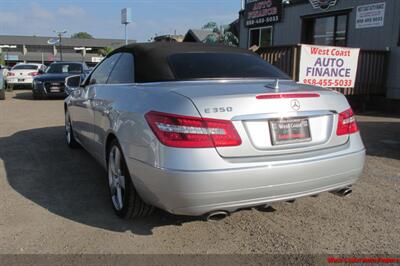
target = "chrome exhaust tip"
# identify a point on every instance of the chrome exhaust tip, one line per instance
(342, 192)
(217, 215)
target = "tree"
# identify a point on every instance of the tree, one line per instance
(106, 50)
(220, 34)
(2, 62)
(82, 35)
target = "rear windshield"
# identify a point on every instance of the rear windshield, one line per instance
(188, 66)
(32, 67)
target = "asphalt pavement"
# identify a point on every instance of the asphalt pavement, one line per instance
(54, 200)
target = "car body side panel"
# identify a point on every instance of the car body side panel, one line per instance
(82, 116)
(120, 110)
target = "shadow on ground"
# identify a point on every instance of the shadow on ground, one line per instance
(23, 95)
(71, 184)
(381, 139)
(68, 183)
(27, 95)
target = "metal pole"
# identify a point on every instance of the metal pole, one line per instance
(61, 55)
(126, 38)
(7, 58)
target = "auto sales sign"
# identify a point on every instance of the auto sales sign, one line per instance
(262, 12)
(326, 66)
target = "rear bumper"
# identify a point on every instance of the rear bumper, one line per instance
(200, 192)
(14, 81)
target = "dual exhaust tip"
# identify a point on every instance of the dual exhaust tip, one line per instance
(220, 215)
(342, 192)
(217, 215)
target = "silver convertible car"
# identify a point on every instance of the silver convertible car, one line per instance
(207, 130)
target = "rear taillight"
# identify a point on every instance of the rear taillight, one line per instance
(33, 74)
(10, 74)
(347, 123)
(192, 132)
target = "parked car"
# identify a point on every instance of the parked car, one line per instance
(51, 83)
(2, 85)
(22, 74)
(207, 130)
(4, 70)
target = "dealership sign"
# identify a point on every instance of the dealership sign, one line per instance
(262, 12)
(323, 4)
(326, 66)
(11, 57)
(370, 16)
(97, 59)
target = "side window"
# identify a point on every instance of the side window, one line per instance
(123, 71)
(101, 73)
(398, 44)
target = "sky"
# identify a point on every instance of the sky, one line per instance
(101, 18)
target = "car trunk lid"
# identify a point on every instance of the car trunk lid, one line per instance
(263, 114)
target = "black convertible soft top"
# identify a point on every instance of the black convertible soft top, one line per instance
(152, 59)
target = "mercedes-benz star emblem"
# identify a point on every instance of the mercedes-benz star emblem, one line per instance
(295, 104)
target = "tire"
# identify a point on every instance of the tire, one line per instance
(69, 133)
(125, 200)
(2, 94)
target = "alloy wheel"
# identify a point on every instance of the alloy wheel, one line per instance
(116, 179)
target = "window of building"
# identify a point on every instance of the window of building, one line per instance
(123, 71)
(261, 37)
(327, 30)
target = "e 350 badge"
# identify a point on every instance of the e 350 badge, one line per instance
(218, 110)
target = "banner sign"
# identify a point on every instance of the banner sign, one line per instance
(126, 16)
(326, 66)
(11, 57)
(97, 59)
(369, 16)
(262, 12)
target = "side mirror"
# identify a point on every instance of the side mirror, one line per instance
(40, 71)
(72, 84)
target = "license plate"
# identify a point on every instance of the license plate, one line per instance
(290, 130)
(21, 80)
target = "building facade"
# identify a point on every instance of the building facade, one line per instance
(365, 24)
(16, 49)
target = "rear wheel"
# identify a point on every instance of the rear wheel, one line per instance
(69, 134)
(125, 199)
(2, 94)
